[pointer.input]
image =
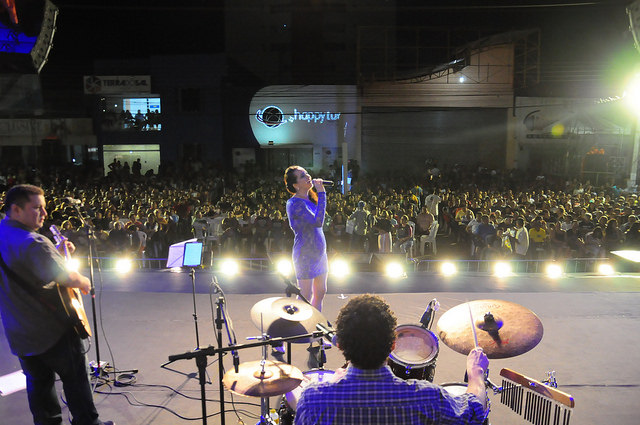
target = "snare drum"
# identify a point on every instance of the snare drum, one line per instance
(459, 388)
(414, 356)
(289, 401)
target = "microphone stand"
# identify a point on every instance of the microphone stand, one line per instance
(221, 318)
(91, 239)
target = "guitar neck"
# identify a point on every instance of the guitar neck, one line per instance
(57, 236)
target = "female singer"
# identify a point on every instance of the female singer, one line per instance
(305, 211)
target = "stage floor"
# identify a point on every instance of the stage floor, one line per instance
(590, 323)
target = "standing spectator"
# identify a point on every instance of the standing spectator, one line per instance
(359, 234)
(431, 202)
(520, 241)
(384, 226)
(537, 239)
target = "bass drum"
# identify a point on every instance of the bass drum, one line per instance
(459, 388)
(415, 354)
(289, 402)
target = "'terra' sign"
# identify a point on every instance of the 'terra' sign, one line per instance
(272, 116)
(116, 84)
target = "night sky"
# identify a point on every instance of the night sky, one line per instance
(582, 42)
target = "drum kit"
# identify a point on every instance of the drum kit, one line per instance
(503, 329)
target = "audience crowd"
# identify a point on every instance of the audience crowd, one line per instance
(485, 213)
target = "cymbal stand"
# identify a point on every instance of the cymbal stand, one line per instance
(201, 360)
(291, 289)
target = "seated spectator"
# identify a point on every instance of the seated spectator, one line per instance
(277, 232)
(613, 237)
(632, 237)
(338, 233)
(594, 243)
(404, 236)
(229, 239)
(558, 241)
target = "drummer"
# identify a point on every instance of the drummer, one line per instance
(369, 392)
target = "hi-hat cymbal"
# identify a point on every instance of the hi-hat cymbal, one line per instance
(284, 317)
(276, 379)
(509, 330)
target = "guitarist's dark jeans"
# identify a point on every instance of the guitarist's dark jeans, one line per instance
(66, 359)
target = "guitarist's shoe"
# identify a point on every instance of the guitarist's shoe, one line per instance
(108, 423)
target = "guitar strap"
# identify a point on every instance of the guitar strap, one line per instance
(27, 287)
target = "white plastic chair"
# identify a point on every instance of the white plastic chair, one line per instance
(430, 239)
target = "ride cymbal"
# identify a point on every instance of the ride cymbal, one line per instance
(251, 380)
(285, 317)
(504, 329)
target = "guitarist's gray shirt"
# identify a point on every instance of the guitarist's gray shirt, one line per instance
(30, 324)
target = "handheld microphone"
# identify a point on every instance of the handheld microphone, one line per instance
(328, 183)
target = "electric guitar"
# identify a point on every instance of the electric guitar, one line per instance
(71, 298)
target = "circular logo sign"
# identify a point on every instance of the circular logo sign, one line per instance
(92, 84)
(271, 116)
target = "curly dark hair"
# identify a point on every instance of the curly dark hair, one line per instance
(365, 329)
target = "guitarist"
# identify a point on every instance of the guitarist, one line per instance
(43, 340)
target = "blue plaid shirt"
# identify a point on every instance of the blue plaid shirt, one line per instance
(379, 397)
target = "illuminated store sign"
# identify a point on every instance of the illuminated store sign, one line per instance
(319, 115)
(272, 116)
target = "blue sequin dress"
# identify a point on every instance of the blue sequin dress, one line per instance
(309, 246)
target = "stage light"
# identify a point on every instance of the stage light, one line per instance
(73, 264)
(229, 267)
(628, 254)
(553, 271)
(502, 269)
(448, 268)
(632, 94)
(394, 270)
(175, 269)
(606, 269)
(284, 267)
(123, 265)
(340, 268)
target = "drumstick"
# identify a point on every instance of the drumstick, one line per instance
(473, 326)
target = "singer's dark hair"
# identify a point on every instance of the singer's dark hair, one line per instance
(365, 329)
(290, 178)
(19, 195)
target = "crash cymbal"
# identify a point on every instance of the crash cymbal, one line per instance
(284, 317)
(508, 331)
(278, 378)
